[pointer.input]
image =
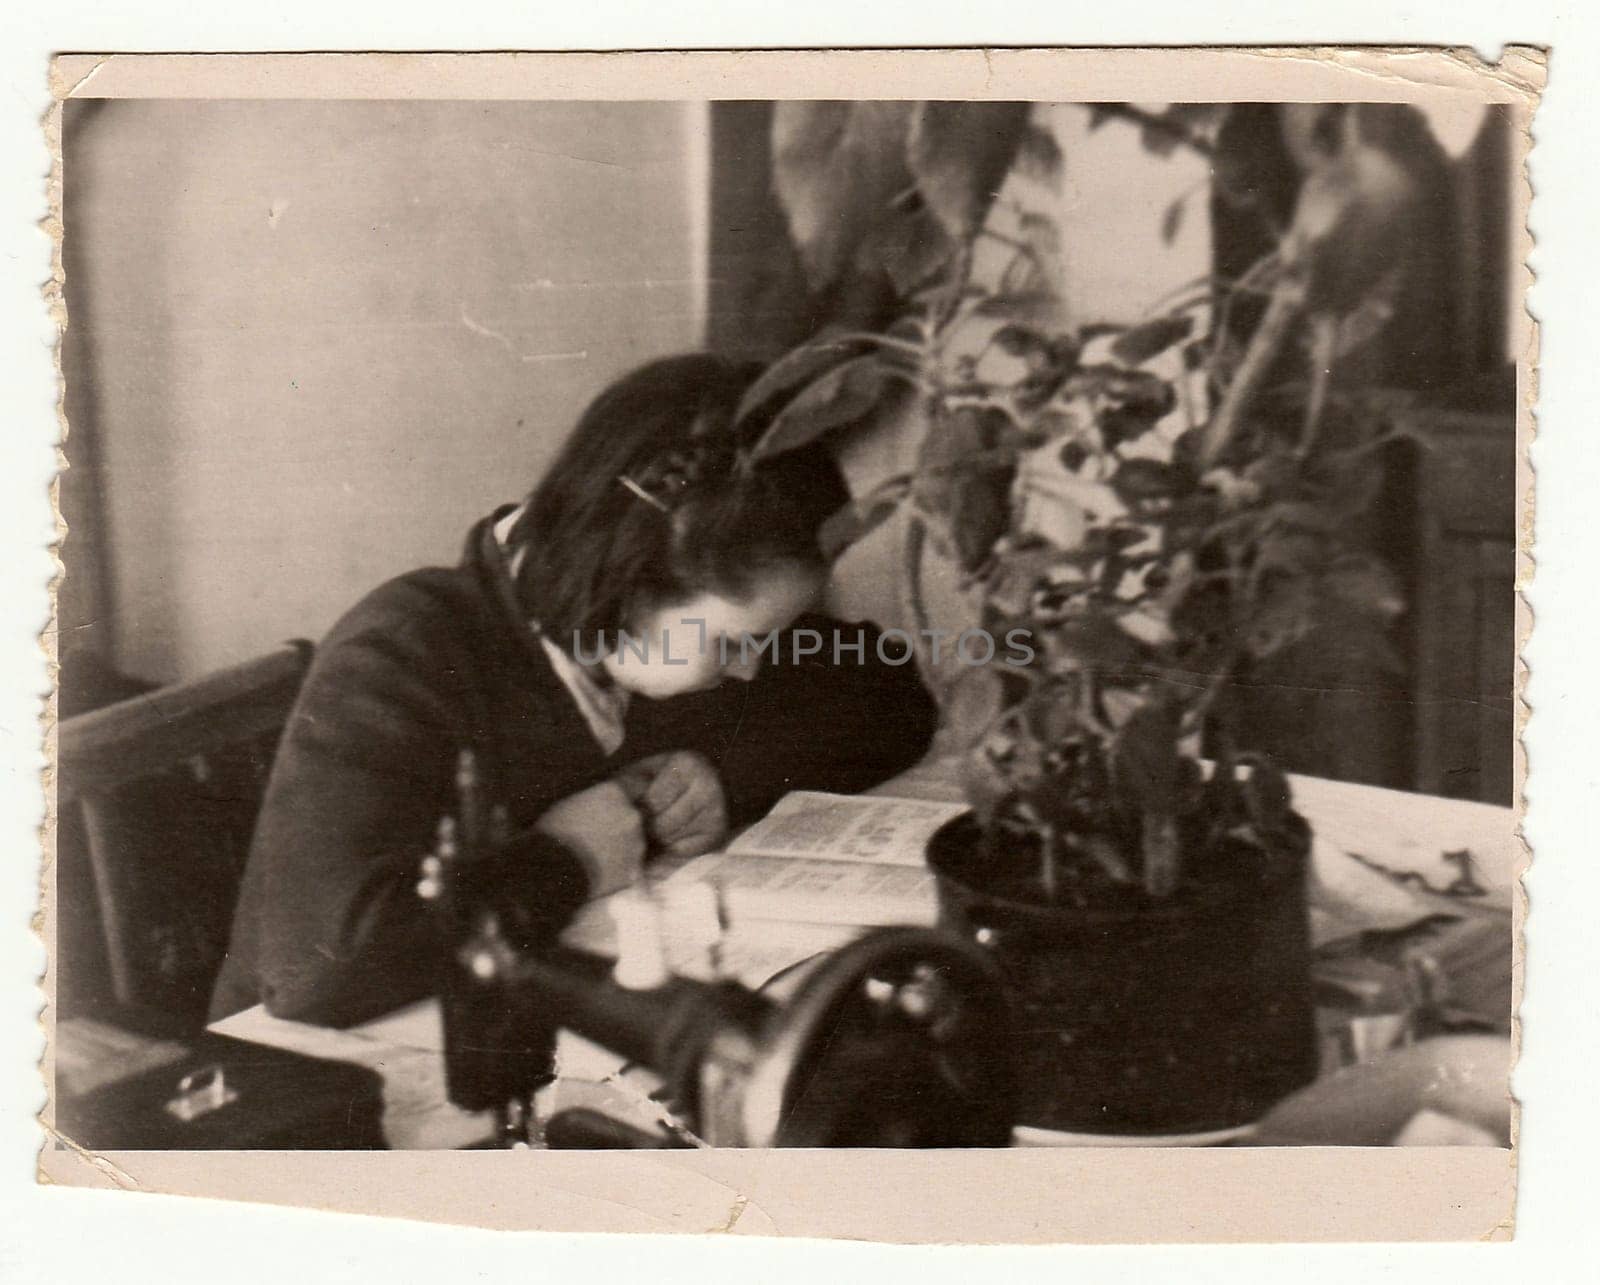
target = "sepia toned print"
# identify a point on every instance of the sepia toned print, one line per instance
(863, 623)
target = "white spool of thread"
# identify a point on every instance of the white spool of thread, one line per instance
(694, 922)
(641, 950)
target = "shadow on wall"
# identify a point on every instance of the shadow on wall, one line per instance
(310, 343)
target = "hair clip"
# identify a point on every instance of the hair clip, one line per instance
(653, 501)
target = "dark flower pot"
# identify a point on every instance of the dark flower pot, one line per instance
(1187, 1015)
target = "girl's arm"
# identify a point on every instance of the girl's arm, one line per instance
(364, 773)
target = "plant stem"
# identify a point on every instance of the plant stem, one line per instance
(1162, 859)
(1269, 337)
(945, 310)
(1197, 713)
(1324, 340)
(1049, 872)
(911, 598)
(877, 340)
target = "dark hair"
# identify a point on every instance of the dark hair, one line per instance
(597, 553)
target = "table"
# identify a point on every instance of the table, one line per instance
(1397, 831)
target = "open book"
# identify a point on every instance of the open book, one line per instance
(830, 859)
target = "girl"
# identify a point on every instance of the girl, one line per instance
(599, 649)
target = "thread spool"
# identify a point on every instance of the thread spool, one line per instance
(641, 949)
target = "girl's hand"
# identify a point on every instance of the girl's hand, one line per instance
(604, 830)
(681, 797)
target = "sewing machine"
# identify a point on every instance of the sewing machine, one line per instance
(896, 1040)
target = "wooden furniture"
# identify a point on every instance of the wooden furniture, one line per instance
(1436, 715)
(1463, 609)
(161, 791)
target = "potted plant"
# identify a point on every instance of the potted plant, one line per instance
(1155, 508)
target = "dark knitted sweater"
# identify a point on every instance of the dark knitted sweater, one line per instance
(329, 928)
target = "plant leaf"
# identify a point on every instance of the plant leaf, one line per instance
(1289, 552)
(1162, 847)
(1052, 712)
(843, 395)
(1137, 346)
(1149, 623)
(952, 438)
(1091, 642)
(1019, 340)
(861, 517)
(1143, 479)
(1366, 586)
(980, 512)
(983, 783)
(1042, 233)
(1158, 140)
(1146, 768)
(1368, 320)
(1351, 217)
(975, 701)
(1285, 612)
(912, 246)
(1039, 154)
(1017, 575)
(1036, 309)
(965, 468)
(1199, 115)
(1136, 400)
(960, 153)
(1172, 220)
(796, 368)
(836, 166)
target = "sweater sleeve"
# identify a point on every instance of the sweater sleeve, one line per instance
(364, 773)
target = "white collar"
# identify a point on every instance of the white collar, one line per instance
(603, 707)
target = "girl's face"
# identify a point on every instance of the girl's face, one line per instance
(698, 644)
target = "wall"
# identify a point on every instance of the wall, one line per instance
(310, 342)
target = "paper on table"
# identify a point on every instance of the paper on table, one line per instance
(1347, 898)
(1413, 832)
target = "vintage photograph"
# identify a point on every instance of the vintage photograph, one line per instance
(801, 621)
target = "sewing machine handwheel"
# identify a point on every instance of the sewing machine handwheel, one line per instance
(901, 1039)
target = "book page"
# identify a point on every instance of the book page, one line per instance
(802, 890)
(843, 827)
